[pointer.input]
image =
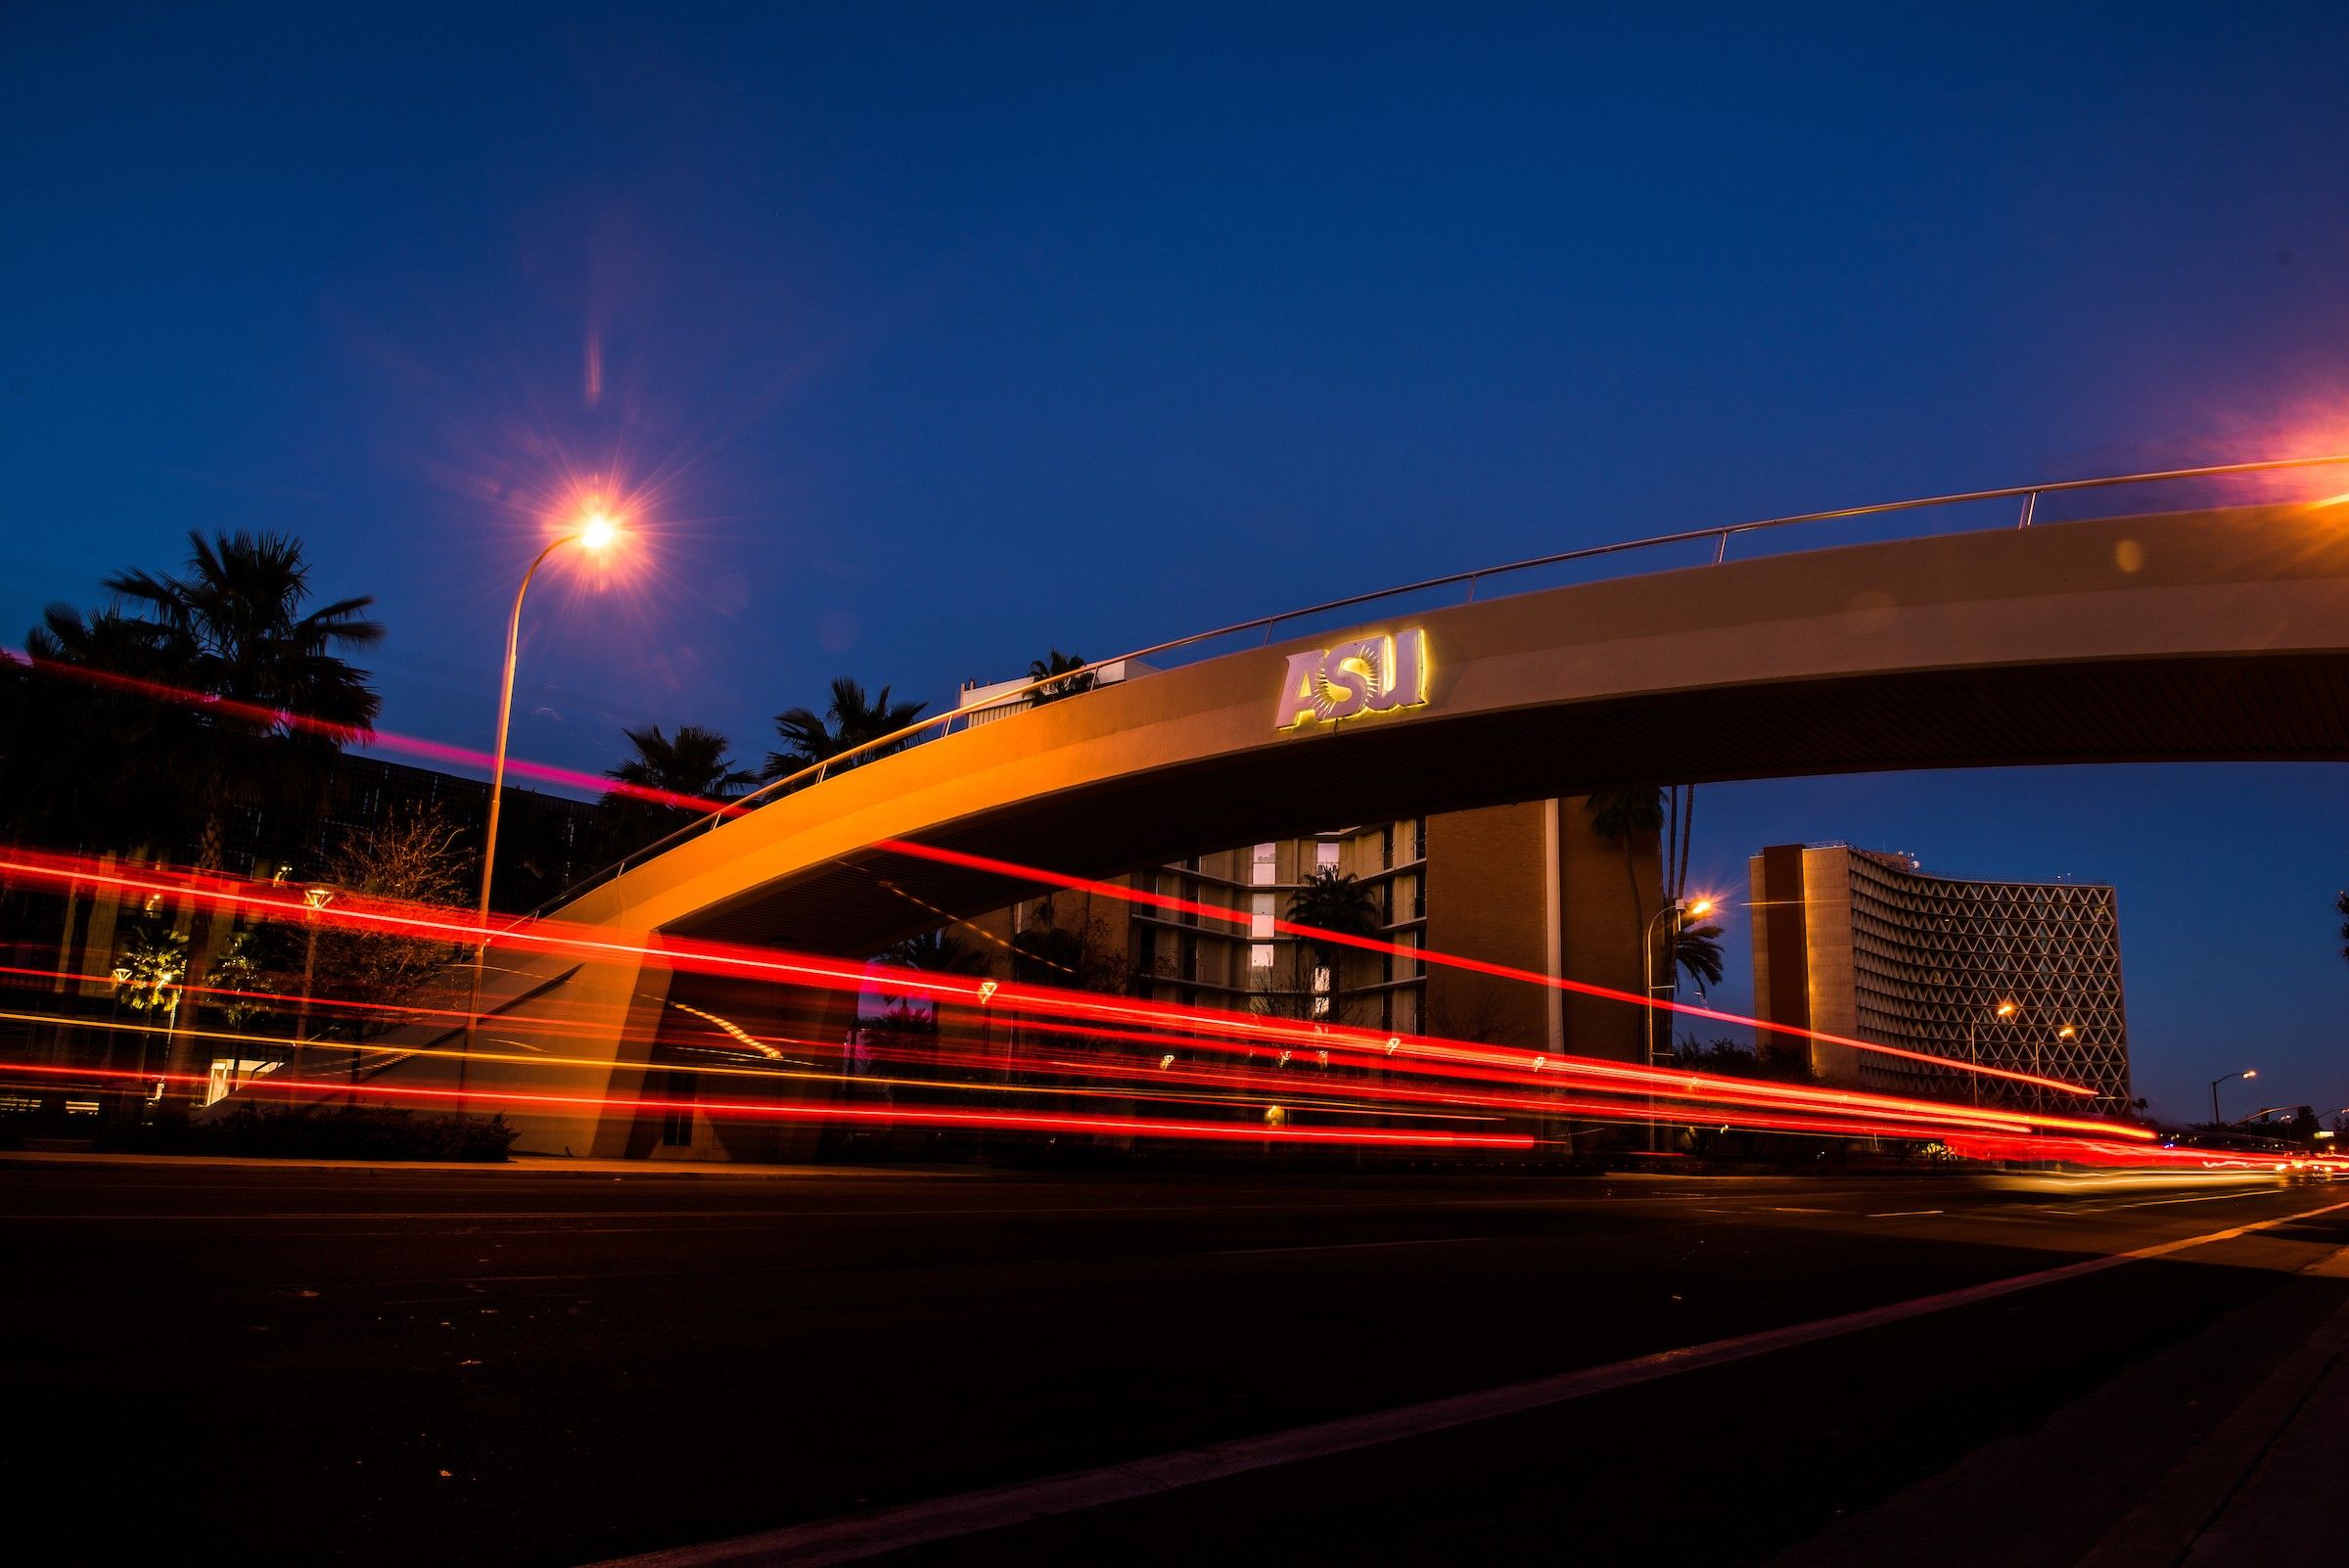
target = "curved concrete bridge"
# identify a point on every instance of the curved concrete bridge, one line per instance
(2216, 635)
(2209, 636)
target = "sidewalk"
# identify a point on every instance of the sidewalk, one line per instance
(2227, 1449)
(2271, 1484)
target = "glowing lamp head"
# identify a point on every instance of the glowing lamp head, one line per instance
(2067, 1032)
(2007, 1009)
(1700, 908)
(2250, 1071)
(599, 530)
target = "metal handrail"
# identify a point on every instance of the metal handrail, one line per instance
(1721, 533)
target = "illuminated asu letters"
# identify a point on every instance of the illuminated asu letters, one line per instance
(1380, 675)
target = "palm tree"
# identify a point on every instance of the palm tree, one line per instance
(1059, 663)
(693, 766)
(1625, 817)
(851, 721)
(235, 628)
(87, 758)
(1696, 952)
(1334, 902)
(149, 973)
(936, 953)
(1679, 830)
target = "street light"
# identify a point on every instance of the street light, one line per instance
(595, 531)
(2248, 1072)
(1678, 909)
(2039, 1060)
(1681, 910)
(314, 898)
(2004, 1012)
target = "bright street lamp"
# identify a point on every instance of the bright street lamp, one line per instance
(2004, 1013)
(2248, 1072)
(1680, 910)
(596, 531)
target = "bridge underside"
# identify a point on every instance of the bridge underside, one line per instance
(2231, 707)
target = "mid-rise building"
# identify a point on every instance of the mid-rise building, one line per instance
(2020, 976)
(1532, 886)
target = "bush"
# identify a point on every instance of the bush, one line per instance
(351, 1132)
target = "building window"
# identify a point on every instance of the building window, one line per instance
(1259, 916)
(1320, 992)
(1259, 865)
(1260, 957)
(1325, 855)
(1386, 847)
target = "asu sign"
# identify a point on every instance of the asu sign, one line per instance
(1381, 674)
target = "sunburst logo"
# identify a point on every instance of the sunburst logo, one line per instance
(1380, 675)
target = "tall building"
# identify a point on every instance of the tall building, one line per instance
(1532, 886)
(2024, 976)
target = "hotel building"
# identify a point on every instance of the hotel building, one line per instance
(2021, 976)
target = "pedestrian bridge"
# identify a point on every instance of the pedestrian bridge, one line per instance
(2206, 636)
(2215, 635)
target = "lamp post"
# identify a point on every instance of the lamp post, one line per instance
(2248, 1072)
(314, 898)
(2039, 1060)
(2004, 1011)
(597, 530)
(1678, 910)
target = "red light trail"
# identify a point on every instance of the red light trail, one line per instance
(1161, 901)
(1735, 1100)
(387, 739)
(439, 751)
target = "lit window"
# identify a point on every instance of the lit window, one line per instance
(1259, 916)
(1259, 865)
(1325, 855)
(1260, 955)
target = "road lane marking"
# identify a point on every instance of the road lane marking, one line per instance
(2155, 1203)
(856, 1537)
(1343, 1246)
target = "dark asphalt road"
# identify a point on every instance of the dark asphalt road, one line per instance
(504, 1366)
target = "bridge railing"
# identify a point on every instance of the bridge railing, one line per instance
(1055, 686)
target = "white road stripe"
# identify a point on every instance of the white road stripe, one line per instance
(1343, 1246)
(862, 1536)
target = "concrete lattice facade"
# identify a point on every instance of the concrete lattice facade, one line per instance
(1848, 941)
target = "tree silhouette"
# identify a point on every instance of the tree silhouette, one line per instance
(853, 721)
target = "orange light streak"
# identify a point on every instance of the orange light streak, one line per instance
(840, 975)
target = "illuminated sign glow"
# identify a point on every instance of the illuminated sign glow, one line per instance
(1381, 674)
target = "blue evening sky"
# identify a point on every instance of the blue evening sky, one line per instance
(933, 337)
